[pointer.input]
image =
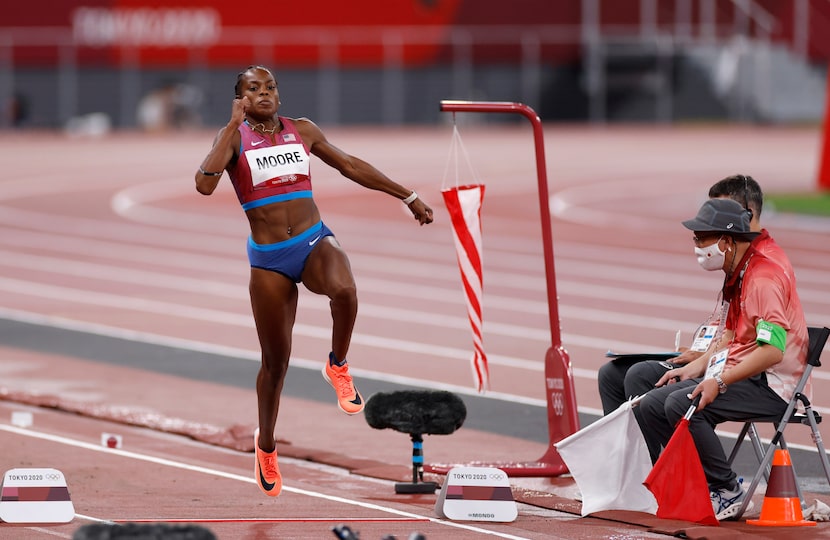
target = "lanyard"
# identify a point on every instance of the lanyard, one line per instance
(734, 292)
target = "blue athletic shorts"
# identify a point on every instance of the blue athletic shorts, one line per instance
(288, 257)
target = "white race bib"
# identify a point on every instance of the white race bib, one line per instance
(277, 164)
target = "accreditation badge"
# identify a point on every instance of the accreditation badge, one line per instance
(703, 338)
(716, 364)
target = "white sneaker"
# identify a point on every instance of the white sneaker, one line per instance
(726, 502)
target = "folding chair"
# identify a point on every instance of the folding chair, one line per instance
(809, 417)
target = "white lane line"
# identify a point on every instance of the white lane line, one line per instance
(276, 520)
(136, 203)
(48, 532)
(155, 307)
(221, 288)
(449, 294)
(304, 363)
(249, 355)
(238, 478)
(678, 271)
(128, 275)
(227, 318)
(91, 518)
(398, 260)
(503, 249)
(117, 230)
(572, 204)
(245, 320)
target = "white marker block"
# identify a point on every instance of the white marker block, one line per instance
(111, 440)
(35, 496)
(476, 494)
(21, 419)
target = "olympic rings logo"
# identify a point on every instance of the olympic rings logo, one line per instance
(558, 403)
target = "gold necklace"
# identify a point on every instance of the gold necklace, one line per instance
(261, 127)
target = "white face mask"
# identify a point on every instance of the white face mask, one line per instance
(711, 257)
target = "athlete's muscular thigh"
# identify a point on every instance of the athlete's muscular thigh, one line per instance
(274, 305)
(327, 269)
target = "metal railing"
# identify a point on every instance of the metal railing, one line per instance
(459, 73)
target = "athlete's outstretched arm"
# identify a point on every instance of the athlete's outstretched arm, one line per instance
(358, 170)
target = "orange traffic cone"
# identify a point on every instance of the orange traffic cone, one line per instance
(781, 507)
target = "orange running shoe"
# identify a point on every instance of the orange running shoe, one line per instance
(266, 470)
(348, 398)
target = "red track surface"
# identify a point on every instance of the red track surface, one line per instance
(108, 235)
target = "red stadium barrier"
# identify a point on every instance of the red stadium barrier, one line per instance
(824, 163)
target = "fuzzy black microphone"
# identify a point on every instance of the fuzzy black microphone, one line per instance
(425, 412)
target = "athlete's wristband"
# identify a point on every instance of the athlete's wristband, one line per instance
(204, 172)
(411, 199)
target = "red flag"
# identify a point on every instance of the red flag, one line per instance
(464, 206)
(678, 481)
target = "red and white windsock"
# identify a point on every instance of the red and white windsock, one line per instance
(464, 206)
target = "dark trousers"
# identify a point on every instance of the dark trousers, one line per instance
(660, 410)
(618, 381)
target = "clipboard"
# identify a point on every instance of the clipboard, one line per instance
(633, 358)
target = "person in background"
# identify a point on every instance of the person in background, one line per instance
(172, 106)
(267, 157)
(618, 380)
(17, 111)
(754, 371)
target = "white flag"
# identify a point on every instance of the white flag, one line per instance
(609, 460)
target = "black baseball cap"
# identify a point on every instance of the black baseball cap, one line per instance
(722, 216)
